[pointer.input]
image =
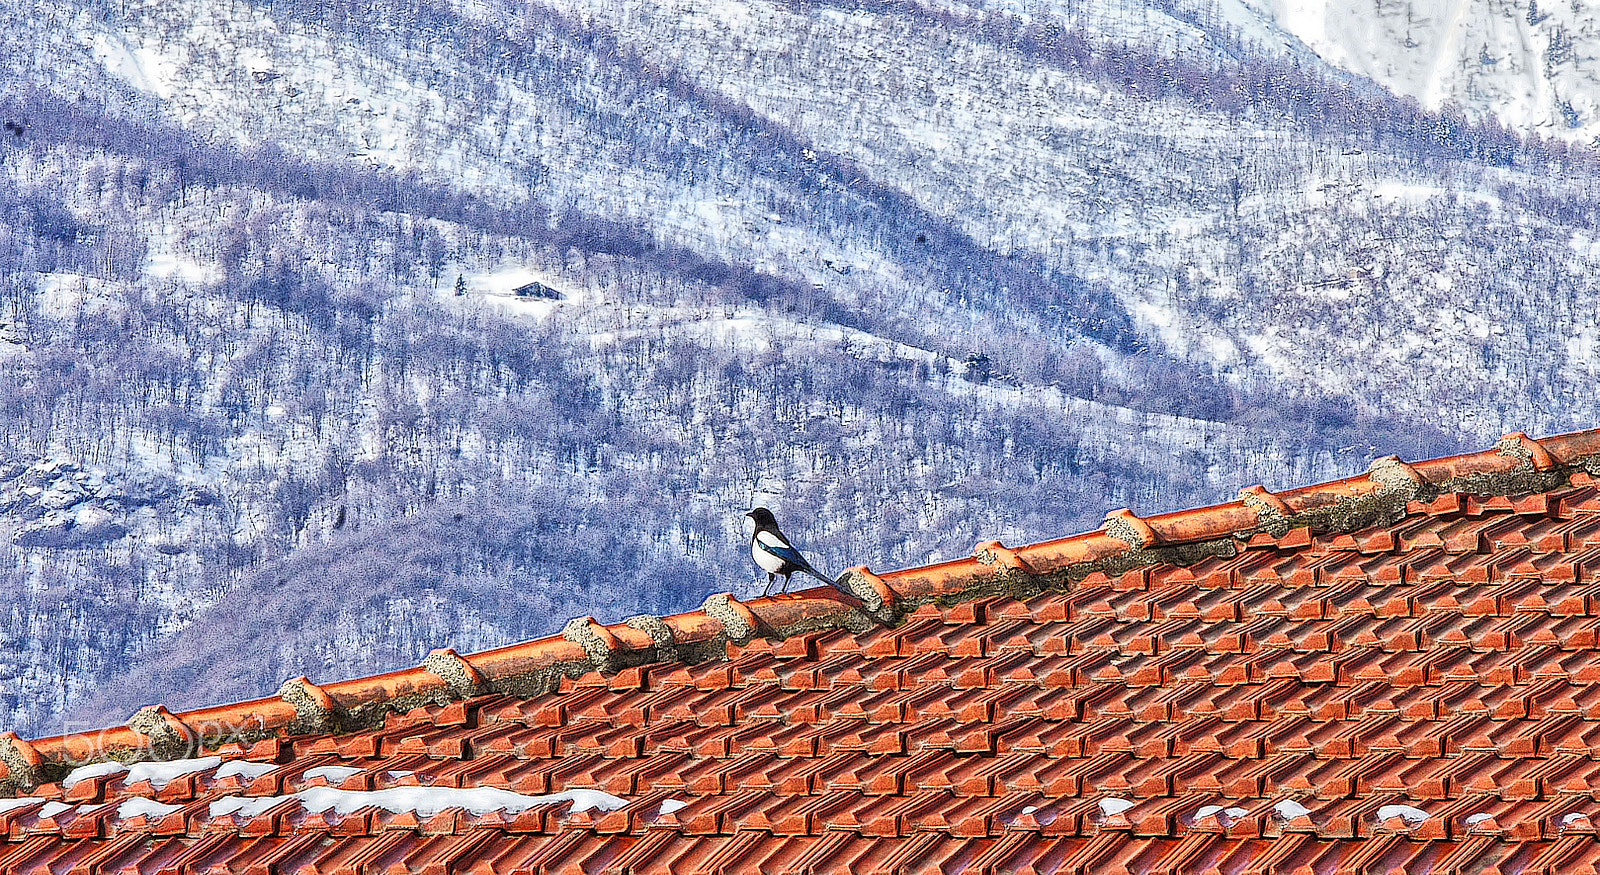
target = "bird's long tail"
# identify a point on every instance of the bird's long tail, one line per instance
(836, 584)
(807, 568)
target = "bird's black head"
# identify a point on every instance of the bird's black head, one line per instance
(762, 516)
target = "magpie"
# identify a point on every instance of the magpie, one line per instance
(773, 552)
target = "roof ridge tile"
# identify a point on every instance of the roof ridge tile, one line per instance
(1117, 557)
(1123, 525)
(1519, 445)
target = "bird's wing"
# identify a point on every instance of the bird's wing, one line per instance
(777, 546)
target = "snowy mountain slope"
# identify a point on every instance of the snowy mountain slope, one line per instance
(297, 359)
(1166, 203)
(916, 276)
(1529, 64)
(566, 142)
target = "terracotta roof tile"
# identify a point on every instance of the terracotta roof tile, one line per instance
(1394, 672)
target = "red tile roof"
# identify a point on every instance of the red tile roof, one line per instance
(1389, 673)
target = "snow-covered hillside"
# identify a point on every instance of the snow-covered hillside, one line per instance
(1533, 65)
(333, 332)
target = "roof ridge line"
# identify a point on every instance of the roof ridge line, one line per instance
(1517, 464)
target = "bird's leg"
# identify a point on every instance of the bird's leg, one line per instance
(770, 578)
(786, 579)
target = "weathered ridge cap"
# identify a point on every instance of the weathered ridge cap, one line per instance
(1517, 464)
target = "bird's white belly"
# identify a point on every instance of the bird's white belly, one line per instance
(768, 562)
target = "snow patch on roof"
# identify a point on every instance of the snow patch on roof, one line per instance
(94, 770)
(1112, 806)
(161, 774)
(1409, 813)
(8, 804)
(148, 807)
(244, 769)
(251, 807)
(1569, 819)
(1475, 819)
(673, 806)
(1289, 809)
(51, 809)
(421, 801)
(332, 774)
(1206, 811)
